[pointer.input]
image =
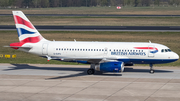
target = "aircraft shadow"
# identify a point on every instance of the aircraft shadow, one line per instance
(83, 70)
(144, 70)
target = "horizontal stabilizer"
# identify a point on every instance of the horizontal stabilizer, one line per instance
(22, 47)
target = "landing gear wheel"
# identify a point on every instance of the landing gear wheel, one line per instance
(151, 71)
(90, 71)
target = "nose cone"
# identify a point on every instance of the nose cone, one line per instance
(176, 56)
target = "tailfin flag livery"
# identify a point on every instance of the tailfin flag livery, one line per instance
(27, 33)
(103, 56)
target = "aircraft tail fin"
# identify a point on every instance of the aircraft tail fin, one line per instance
(26, 31)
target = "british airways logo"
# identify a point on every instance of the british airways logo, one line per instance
(129, 53)
(152, 49)
(136, 53)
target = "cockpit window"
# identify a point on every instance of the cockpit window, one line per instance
(165, 50)
(162, 50)
(169, 50)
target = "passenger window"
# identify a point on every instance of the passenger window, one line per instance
(166, 50)
(119, 50)
(110, 50)
(94, 49)
(102, 49)
(56, 48)
(80, 49)
(64, 48)
(91, 49)
(72, 49)
(99, 49)
(114, 50)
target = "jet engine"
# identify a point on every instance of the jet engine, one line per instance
(113, 66)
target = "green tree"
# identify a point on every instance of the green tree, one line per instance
(4, 3)
(36, 3)
(156, 2)
(104, 2)
(137, 2)
(44, 3)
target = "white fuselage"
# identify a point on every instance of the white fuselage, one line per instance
(121, 51)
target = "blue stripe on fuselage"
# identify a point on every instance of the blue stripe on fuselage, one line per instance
(154, 51)
(148, 61)
(138, 61)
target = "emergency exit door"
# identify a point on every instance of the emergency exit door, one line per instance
(45, 49)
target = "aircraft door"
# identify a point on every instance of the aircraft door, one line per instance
(45, 49)
(105, 51)
(150, 53)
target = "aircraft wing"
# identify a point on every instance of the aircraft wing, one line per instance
(91, 60)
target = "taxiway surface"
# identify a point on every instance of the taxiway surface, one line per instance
(35, 82)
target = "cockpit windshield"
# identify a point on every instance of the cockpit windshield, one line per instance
(169, 50)
(165, 50)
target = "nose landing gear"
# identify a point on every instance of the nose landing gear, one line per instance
(151, 69)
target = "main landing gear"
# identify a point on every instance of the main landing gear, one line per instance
(151, 69)
(91, 70)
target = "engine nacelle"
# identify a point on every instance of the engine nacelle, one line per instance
(114, 66)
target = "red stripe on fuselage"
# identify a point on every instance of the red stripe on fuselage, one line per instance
(19, 20)
(27, 40)
(145, 48)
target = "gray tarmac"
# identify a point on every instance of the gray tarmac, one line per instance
(101, 28)
(44, 82)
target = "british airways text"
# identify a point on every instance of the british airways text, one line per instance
(129, 53)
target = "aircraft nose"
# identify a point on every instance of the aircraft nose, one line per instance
(176, 56)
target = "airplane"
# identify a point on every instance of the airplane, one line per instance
(102, 56)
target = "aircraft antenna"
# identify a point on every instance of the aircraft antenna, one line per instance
(149, 41)
(74, 40)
